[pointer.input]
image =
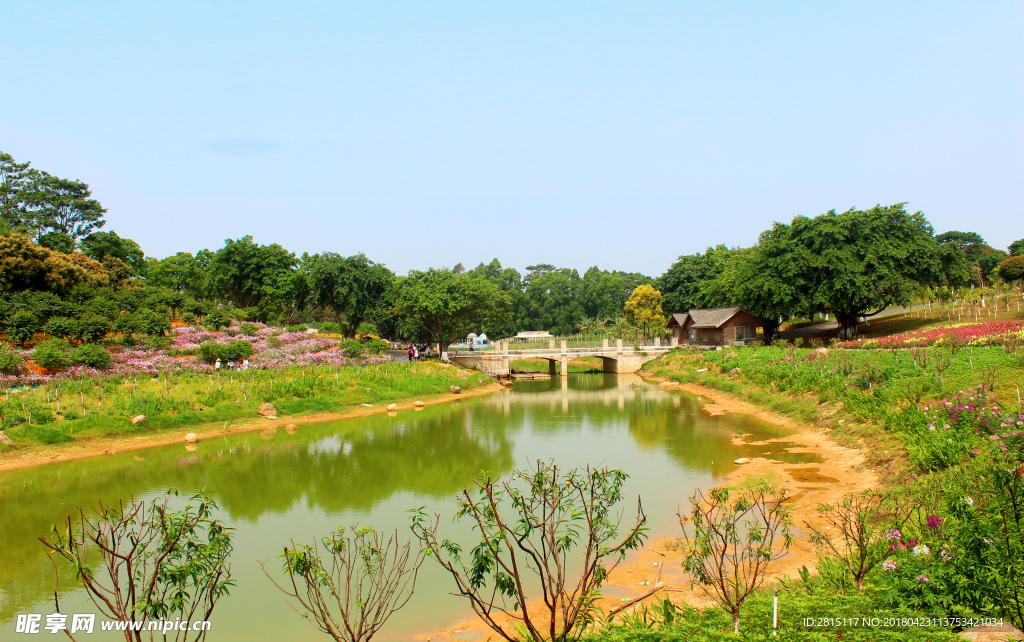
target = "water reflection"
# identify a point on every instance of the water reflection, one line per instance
(276, 485)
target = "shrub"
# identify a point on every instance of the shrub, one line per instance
(736, 534)
(93, 327)
(330, 327)
(374, 345)
(92, 355)
(1012, 269)
(298, 327)
(210, 351)
(153, 323)
(152, 562)
(52, 354)
(61, 327)
(248, 329)
(10, 362)
(353, 347)
(22, 326)
(216, 320)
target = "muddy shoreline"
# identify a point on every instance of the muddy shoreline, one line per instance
(840, 471)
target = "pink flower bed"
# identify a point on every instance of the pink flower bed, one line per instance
(271, 349)
(975, 334)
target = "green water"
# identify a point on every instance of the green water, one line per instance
(276, 486)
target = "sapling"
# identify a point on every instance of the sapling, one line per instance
(731, 537)
(350, 583)
(144, 562)
(856, 530)
(544, 534)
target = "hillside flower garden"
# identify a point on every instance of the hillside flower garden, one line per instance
(964, 334)
(264, 346)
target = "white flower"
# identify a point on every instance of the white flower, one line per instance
(968, 500)
(921, 549)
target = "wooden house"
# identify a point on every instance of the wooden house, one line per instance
(714, 326)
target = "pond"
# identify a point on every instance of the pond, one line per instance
(275, 486)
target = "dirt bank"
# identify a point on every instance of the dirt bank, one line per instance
(38, 455)
(839, 471)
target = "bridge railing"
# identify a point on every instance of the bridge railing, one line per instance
(546, 350)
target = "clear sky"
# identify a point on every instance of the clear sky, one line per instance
(620, 134)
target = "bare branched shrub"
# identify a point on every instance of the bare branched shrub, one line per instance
(857, 528)
(348, 585)
(736, 534)
(544, 533)
(154, 563)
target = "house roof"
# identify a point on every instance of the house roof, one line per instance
(680, 317)
(710, 317)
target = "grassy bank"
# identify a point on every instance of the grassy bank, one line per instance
(943, 424)
(101, 406)
(868, 398)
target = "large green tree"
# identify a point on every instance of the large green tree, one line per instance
(510, 282)
(554, 299)
(444, 305)
(246, 275)
(352, 287)
(605, 293)
(856, 263)
(181, 272)
(100, 245)
(762, 279)
(984, 258)
(686, 283)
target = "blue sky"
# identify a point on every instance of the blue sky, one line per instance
(575, 133)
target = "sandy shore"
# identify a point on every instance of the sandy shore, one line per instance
(840, 471)
(38, 455)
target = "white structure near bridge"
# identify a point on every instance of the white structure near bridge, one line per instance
(614, 357)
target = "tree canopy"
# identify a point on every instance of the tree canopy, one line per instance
(36, 203)
(444, 305)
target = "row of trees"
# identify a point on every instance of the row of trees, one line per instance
(850, 264)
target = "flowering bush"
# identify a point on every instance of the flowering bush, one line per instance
(973, 419)
(970, 334)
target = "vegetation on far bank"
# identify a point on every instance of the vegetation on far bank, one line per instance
(65, 410)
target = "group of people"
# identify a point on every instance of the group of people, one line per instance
(232, 364)
(413, 352)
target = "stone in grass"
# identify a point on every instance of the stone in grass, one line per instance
(418, 404)
(734, 373)
(455, 390)
(191, 438)
(392, 407)
(5, 440)
(267, 410)
(138, 419)
(742, 460)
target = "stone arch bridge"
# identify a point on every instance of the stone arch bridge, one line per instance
(615, 358)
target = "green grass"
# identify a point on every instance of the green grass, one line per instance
(864, 396)
(646, 622)
(103, 406)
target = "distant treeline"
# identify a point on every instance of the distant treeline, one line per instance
(57, 263)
